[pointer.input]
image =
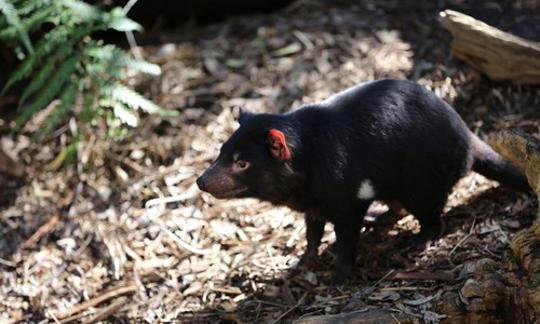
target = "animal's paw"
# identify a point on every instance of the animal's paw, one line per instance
(423, 240)
(307, 260)
(341, 277)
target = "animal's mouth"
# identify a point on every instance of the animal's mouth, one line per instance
(233, 193)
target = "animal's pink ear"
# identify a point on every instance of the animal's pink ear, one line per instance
(278, 145)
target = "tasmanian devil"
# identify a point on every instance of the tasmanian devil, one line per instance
(387, 140)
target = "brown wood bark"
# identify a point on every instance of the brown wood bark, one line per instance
(522, 149)
(500, 55)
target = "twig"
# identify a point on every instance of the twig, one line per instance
(423, 275)
(183, 244)
(405, 288)
(54, 317)
(41, 231)
(304, 40)
(131, 287)
(164, 200)
(74, 318)
(272, 260)
(388, 274)
(107, 311)
(8, 263)
(466, 237)
(128, 6)
(395, 318)
(129, 34)
(300, 301)
(295, 234)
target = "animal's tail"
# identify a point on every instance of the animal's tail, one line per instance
(489, 163)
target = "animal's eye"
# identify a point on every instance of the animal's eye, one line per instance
(242, 165)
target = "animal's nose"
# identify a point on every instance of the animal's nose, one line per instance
(201, 183)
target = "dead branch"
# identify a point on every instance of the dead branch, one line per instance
(42, 231)
(500, 55)
(129, 288)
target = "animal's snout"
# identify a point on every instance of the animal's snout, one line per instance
(202, 184)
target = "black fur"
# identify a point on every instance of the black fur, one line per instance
(411, 145)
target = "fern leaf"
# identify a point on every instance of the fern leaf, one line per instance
(41, 77)
(65, 157)
(29, 24)
(47, 94)
(144, 66)
(107, 61)
(25, 8)
(88, 108)
(83, 10)
(124, 24)
(66, 102)
(13, 19)
(133, 99)
(124, 115)
(118, 56)
(116, 19)
(48, 43)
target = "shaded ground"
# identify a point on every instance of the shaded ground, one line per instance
(193, 258)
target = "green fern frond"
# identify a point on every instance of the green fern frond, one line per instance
(134, 100)
(66, 63)
(25, 8)
(125, 115)
(43, 75)
(144, 67)
(121, 58)
(13, 19)
(67, 99)
(88, 107)
(29, 24)
(121, 23)
(51, 90)
(48, 43)
(106, 61)
(82, 9)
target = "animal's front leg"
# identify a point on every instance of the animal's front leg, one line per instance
(346, 241)
(314, 233)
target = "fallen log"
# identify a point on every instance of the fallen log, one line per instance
(487, 298)
(522, 149)
(498, 54)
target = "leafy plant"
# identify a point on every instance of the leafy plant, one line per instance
(66, 64)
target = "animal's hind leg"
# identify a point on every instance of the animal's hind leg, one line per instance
(428, 211)
(431, 225)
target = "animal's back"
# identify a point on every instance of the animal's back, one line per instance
(407, 141)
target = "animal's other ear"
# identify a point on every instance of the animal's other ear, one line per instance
(241, 114)
(278, 145)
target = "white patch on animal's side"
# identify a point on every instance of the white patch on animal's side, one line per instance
(366, 190)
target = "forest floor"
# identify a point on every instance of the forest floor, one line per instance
(91, 241)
